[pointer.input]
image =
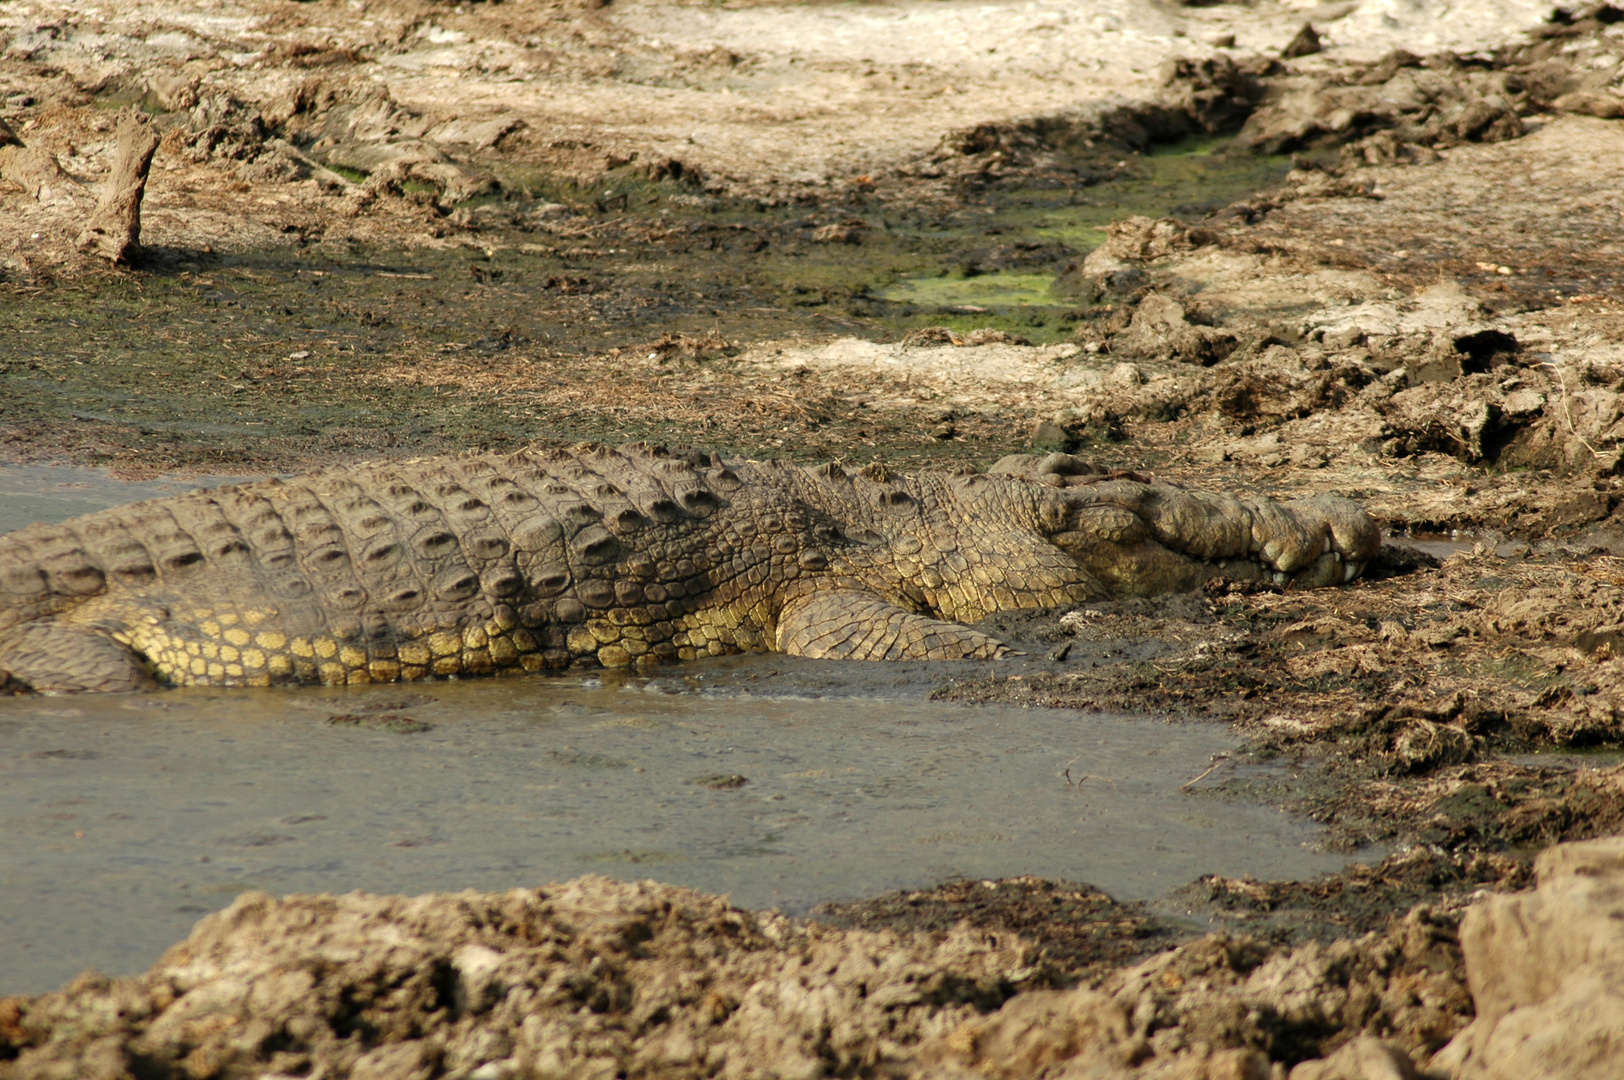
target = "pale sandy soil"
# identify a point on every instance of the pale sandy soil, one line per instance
(752, 94)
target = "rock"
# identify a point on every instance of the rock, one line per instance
(478, 135)
(838, 234)
(1048, 436)
(114, 229)
(1365, 1058)
(306, 166)
(1141, 238)
(1520, 403)
(1546, 972)
(989, 335)
(1306, 43)
(1111, 267)
(173, 91)
(1037, 1032)
(271, 167)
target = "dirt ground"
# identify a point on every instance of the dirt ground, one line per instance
(1216, 251)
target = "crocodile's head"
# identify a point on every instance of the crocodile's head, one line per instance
(1140, 538)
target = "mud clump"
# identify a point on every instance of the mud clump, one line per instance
(1231, 1006)
(1546, 971)
(1406, 107)
(1076, 931)
(597, 978)
(587, 978)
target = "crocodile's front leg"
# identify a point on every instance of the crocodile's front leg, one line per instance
(851, 624)
(53, 656)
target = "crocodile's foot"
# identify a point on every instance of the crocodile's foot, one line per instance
(849, 624)
(62, 658)
(1140, 538)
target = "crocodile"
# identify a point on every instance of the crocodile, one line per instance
(620, 557)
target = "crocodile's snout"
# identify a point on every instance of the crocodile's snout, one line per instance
(1141, 538)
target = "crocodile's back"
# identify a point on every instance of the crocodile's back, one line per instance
(446, 566)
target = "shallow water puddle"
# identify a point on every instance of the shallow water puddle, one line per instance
(125, 818)
(51, 493)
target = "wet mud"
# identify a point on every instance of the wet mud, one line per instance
(1391, 268)
(618, 315)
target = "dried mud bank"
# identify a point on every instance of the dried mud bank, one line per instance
(595, 978)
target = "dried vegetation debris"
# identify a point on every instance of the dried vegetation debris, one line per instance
(1400, 373)
(1512, 647)
(1074, 930)
(1226, 1006)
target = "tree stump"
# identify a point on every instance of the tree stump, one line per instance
(114, 229)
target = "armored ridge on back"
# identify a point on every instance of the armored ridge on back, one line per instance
(630, 556)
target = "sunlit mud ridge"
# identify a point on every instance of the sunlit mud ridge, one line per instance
(535, 561)
(594, 978)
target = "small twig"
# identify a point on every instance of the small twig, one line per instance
(1218, 759)
(1567, 412)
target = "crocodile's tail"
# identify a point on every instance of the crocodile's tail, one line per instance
(45, 572)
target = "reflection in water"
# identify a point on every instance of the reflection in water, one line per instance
(126, 817)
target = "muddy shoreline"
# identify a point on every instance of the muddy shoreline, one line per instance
(1393, 275)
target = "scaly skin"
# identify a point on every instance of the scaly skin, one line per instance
(479, 564)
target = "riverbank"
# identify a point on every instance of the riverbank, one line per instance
(1145, 235)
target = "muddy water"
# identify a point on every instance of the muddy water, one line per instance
(31, 493)
(125, 818)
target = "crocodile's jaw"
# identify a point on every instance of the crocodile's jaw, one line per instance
(1146, 568)
(1140, 541)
